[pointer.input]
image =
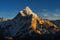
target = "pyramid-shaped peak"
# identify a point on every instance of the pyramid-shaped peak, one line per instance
(28, 10)
(27, 7)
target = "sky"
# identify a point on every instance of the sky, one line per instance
(47, 9)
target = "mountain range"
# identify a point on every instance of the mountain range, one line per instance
(28, 25)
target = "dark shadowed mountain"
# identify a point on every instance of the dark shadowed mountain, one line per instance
(57, 22)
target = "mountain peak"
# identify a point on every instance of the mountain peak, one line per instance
(28, 10)
(27, 7)
(25, 11)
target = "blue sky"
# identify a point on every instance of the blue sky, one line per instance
(48, 9)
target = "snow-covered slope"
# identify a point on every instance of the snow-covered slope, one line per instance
(27, 23)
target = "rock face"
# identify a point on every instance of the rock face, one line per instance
(27, 23)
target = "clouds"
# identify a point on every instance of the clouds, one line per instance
(57, 15)
(51, 15)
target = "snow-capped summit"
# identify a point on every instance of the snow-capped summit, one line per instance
(27, 11)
